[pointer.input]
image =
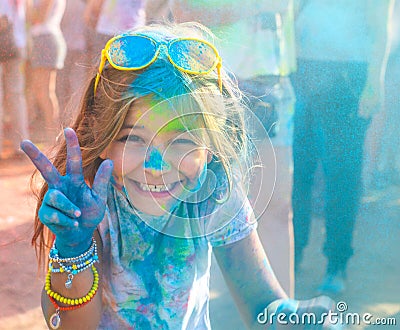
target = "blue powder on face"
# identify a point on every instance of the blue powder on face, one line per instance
(155, 161)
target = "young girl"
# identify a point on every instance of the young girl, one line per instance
(149, 181)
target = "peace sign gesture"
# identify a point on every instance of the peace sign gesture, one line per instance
(71, 209)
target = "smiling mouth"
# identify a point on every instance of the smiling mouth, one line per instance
(155, 188)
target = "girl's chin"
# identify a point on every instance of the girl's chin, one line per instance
(152, 212)
(155, 208)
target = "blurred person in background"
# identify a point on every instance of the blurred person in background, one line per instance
(12, 81)
(257, 44)
(71, 78)
(46, 55)
(340, 49)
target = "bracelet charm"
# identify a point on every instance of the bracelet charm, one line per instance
(55, 320)
(68, 283)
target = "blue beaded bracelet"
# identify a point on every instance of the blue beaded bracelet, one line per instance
(73, 265)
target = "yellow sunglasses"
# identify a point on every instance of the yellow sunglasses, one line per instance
(136, 51)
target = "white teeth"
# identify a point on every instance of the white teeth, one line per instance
(155, 188)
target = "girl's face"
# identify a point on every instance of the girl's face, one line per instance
(157, 159)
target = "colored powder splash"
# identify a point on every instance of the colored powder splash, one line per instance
(176, 122)
(154, 160)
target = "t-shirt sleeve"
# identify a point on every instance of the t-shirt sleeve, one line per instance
(231, 221)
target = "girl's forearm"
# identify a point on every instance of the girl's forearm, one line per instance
(249, 277)
(76, 307)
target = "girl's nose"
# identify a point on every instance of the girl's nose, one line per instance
(155, 162)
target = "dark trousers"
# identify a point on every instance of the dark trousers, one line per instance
(327, 129)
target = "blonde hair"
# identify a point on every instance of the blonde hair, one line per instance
(102, 114)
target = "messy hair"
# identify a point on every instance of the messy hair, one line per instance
(103, 112)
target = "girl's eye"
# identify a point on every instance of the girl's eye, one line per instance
(184, 141)
(130, 138)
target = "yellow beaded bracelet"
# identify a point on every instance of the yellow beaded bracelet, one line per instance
(73, 301)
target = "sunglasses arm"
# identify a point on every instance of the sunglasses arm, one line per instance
(101, 67)
(219, 75)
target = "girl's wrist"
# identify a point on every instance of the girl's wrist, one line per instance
(72, 265)
(68, 249)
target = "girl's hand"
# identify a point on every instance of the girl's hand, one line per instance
(301, 314)
(71, 209)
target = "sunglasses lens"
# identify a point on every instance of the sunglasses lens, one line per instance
(193, 55)
(131, 51)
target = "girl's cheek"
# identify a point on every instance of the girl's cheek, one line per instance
(129, 163)
(193, 165)
(117, 160)
(131, 159)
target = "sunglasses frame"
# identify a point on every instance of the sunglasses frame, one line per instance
(159, 45)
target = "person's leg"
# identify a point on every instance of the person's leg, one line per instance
(2, 118)
(78, 76)
(63, 88)
(14, 101)
(342, 167)
(343, 143)
(305, 156)
(44, 80)
(30, 100)
(47, 55)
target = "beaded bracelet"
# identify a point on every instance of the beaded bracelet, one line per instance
(75, 268)
(74, 303)
(76, 264)
(71, 270)
(54, 256)
(55, 319)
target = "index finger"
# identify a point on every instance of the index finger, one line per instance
(42, 163)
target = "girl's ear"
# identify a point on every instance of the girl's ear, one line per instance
(104, 153)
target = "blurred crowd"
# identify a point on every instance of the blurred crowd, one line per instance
(327, 70)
